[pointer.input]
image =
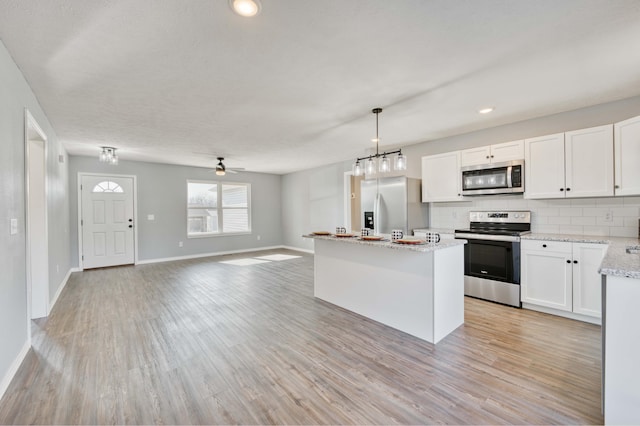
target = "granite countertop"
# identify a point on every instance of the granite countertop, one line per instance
(436, 230)
(616, 262)
(388, 244)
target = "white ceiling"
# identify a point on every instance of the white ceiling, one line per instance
(173, 80)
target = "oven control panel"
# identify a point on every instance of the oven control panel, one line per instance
(501, 216)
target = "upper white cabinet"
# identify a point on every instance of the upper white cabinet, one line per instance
(497, 153)
(589, 162)
(544, 166)
(627, 157)
(441, 179)
(570, 165)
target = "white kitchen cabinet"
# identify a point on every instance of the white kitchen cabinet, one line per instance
(496, 153)
(587, 282)
(562, 276)
(544, 166)
(627, 157)
(570, 165)
(546, 274)
(589, 162)
(441, 178)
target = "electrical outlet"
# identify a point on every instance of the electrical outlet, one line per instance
(57, 269)
(13, 226)
(608, 216)
(258, 237)
(454, 214)
(180, 244)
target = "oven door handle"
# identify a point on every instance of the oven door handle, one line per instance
(509, 238)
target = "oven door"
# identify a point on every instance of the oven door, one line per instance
(492, 260)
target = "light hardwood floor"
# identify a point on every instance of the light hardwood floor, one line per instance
(200, 341)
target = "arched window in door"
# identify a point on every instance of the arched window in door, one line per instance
(107, 186)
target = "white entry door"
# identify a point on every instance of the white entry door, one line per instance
(107, 221)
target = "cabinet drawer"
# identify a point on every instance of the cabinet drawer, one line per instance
(541, 245)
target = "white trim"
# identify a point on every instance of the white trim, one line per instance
(557, 312)
(13, 369)
(214, 254)
(347, 200)
(298, 249)
(31, 123)
(62, 286)
(135, 213)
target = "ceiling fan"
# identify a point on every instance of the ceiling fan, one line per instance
(222, 170)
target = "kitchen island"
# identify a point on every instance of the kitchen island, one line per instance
(418, 289)
(620, 271)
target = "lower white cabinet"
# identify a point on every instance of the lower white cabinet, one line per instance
(562, 276)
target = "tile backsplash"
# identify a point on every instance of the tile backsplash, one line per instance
(615, 217)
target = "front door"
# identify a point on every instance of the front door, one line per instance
(107, 221)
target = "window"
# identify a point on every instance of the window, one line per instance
(218, 208)
(107, 186)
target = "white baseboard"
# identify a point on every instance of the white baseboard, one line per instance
(13, 369)
(557, 312)
(212, 254)
(62, 286)
(298, 249)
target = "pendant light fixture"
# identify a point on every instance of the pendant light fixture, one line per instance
(108, 155)
(400, 162)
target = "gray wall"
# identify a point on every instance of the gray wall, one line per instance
(15, 96)
(162, 191)
(312, 200)
(310, 203)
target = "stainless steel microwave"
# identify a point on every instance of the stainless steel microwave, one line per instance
(496, 178)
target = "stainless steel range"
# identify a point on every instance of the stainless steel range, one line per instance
(492, 255)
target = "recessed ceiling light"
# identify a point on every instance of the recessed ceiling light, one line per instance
(246, 8)
(486, 110)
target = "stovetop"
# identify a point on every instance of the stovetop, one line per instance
(511, 223)
(489, 231)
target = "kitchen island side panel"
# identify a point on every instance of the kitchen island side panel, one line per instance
(393, 287)
(448, 296)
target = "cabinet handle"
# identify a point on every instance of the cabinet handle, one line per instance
(575, 261)
(568, 261)
(487, 156)
(544, 245)
(492, 156)
(568, 189)
(617, 186)
(561, 189)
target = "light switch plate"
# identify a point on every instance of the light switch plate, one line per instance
(13, 229)
(151, 217)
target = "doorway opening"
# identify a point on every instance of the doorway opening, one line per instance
(37, 241)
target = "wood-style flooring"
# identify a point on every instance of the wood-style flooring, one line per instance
(203, 342)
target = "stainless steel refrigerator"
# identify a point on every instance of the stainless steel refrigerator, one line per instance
(393, 203)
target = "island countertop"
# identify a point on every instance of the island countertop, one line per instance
(443, 244)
